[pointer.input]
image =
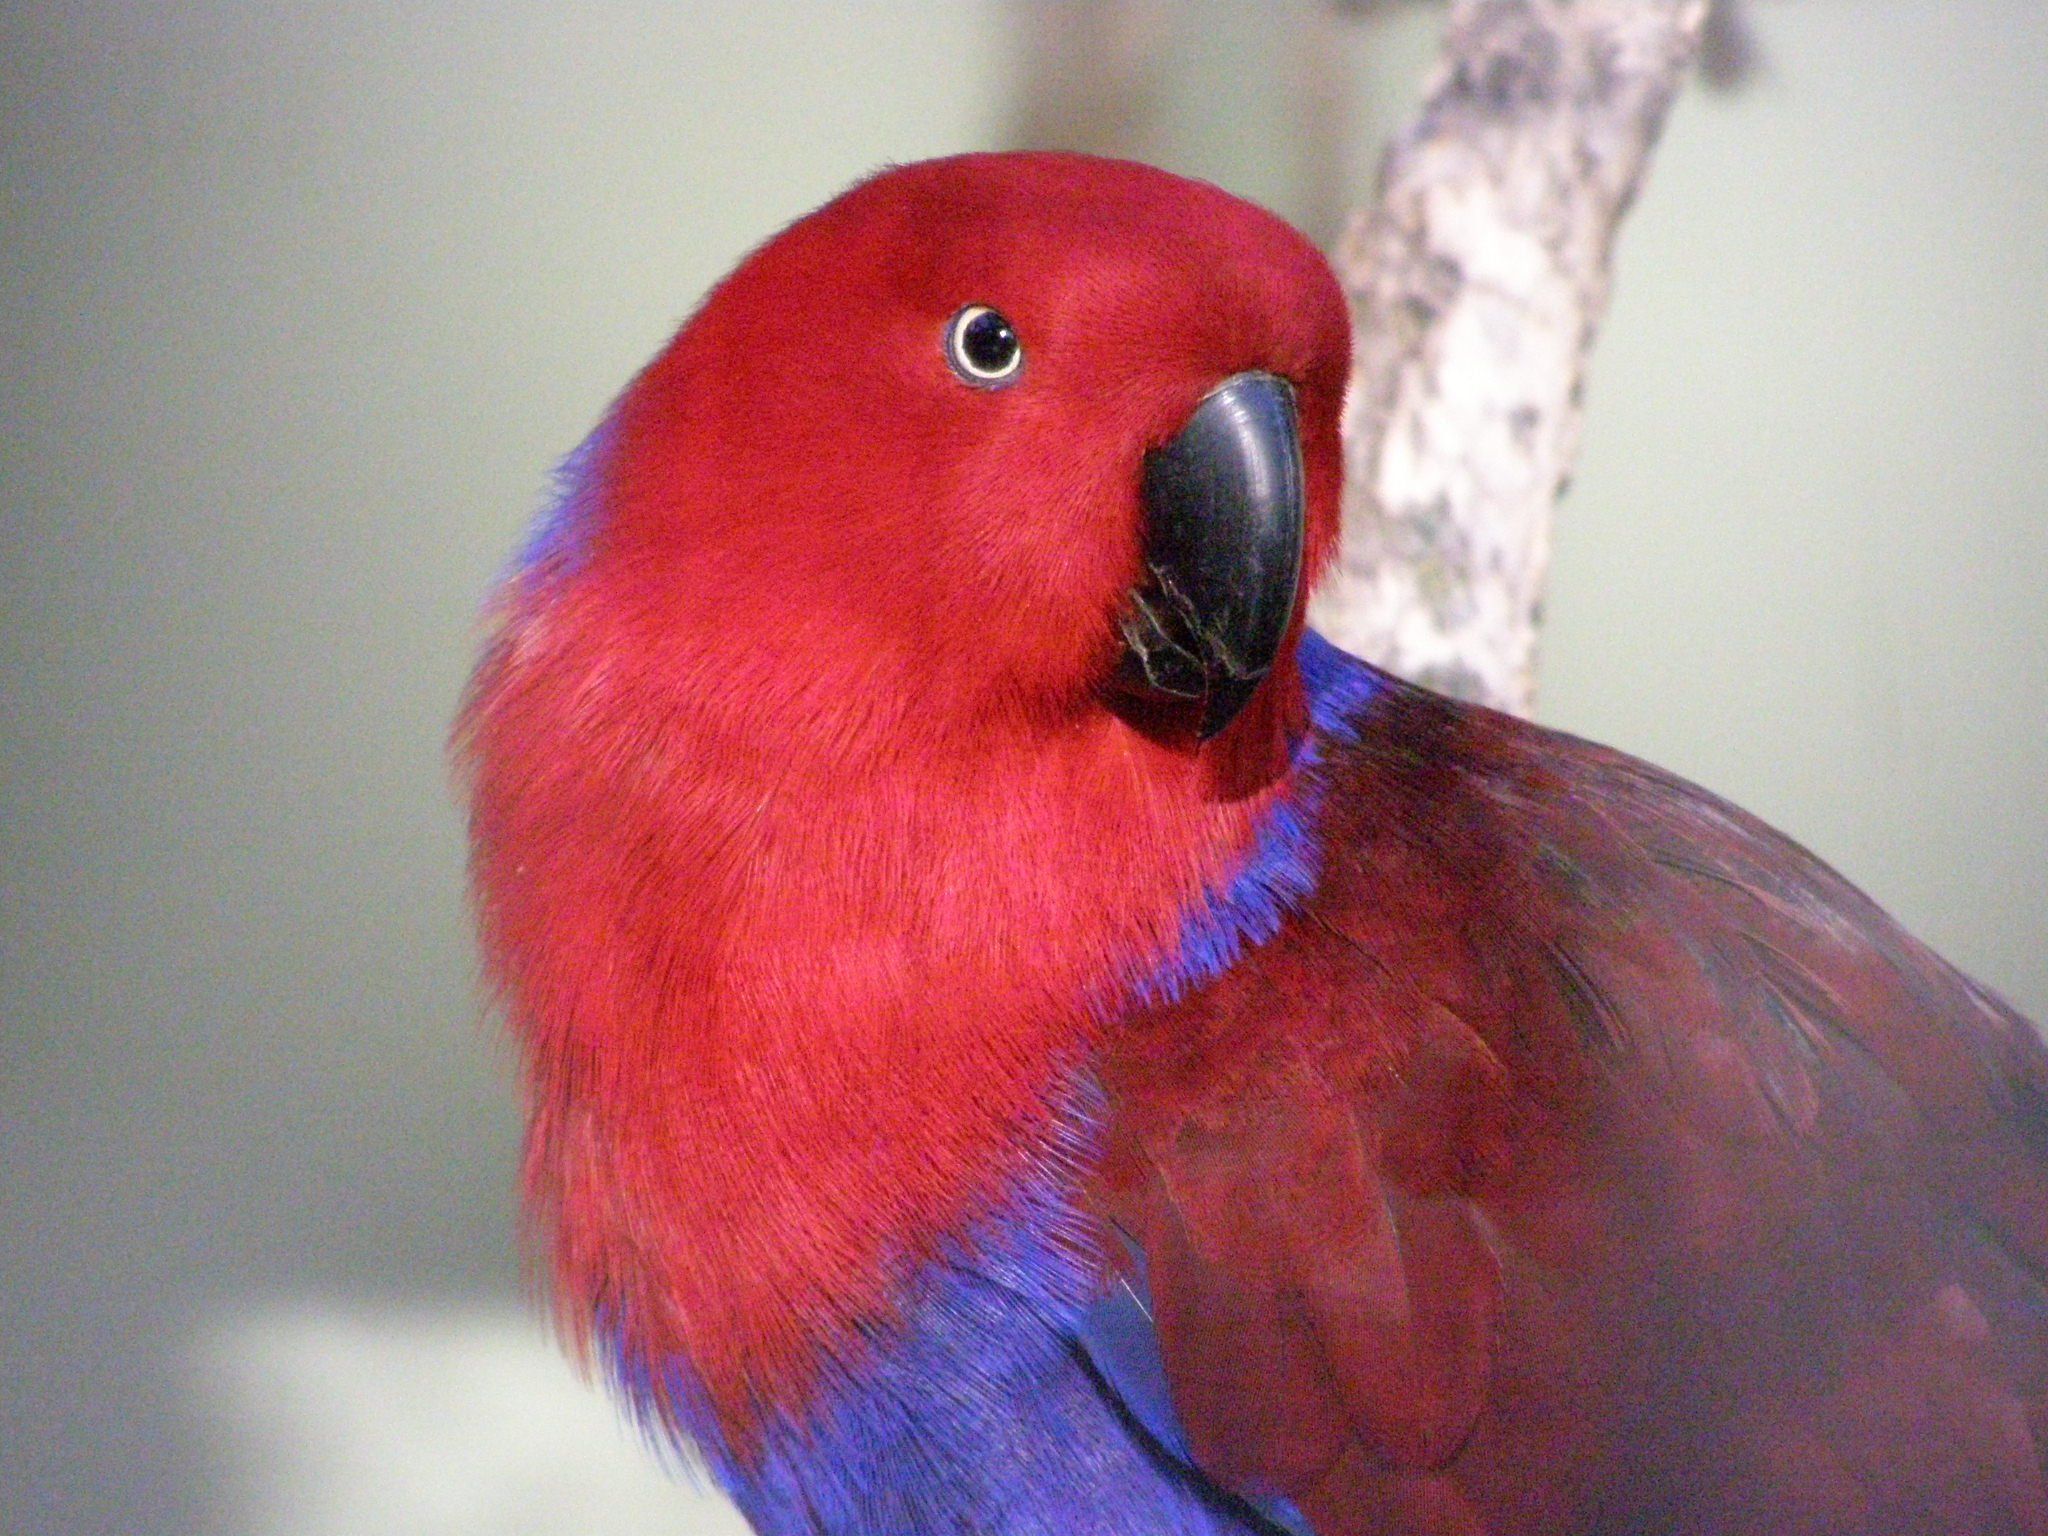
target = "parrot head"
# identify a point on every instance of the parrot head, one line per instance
(911, 652)
(995, 436)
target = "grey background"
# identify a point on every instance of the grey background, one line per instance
(295, 311)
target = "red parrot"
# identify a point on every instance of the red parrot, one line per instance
(1023, 1037)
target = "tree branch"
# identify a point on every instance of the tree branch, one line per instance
(1477, 283)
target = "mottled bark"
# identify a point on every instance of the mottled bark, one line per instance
(1477, 283)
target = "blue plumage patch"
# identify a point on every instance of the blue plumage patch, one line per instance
(979, 1412)
(560, 532)
(1122, 1342)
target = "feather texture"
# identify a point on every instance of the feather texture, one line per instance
(1585, 1156)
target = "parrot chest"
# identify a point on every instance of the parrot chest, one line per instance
(978, 1413)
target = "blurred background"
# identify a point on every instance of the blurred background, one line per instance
(298, 305)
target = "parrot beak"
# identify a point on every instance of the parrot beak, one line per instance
(1225, 519)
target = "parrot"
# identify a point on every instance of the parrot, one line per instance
(1021, 1036)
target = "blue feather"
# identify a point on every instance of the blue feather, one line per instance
(978, 1413)
(1122, 1343)
(559, 534)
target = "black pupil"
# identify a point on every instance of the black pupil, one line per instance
(988, 343)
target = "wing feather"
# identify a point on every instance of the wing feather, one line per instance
(1587, 1156)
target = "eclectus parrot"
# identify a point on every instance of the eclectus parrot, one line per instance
(1024, 1038)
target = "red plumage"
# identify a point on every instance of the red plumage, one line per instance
(1589, 1157)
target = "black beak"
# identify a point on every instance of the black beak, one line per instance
(1225, 518)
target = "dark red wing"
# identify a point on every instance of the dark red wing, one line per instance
(1587, 1157)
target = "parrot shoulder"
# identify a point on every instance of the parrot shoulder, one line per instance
(1577, 1119)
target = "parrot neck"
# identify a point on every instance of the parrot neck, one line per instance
(1280, 870)
(793, 1024)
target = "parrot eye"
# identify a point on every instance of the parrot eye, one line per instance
(983, 347)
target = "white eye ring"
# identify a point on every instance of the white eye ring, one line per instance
(982, 347)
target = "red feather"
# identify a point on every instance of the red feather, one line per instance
(1588, 1157)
